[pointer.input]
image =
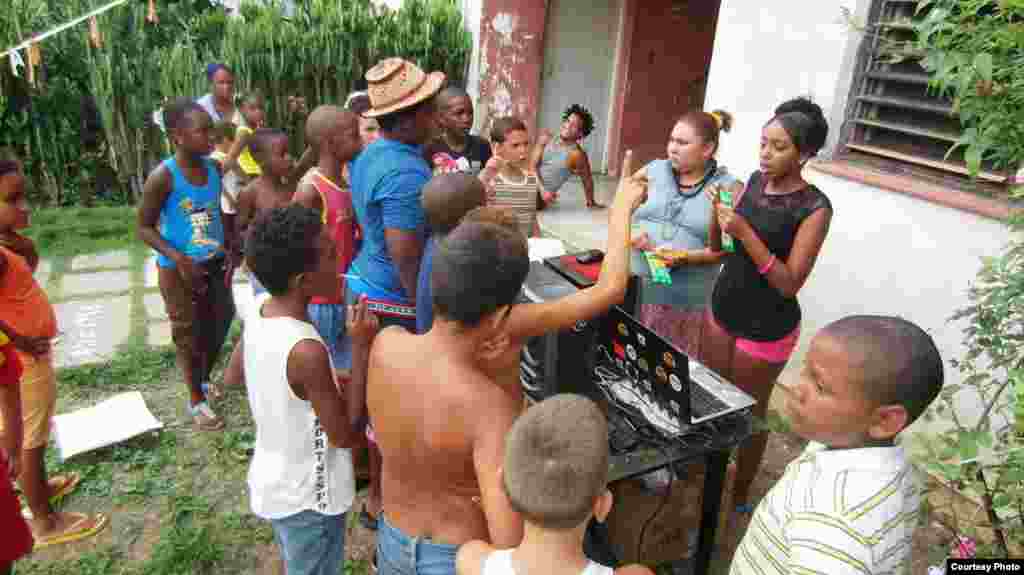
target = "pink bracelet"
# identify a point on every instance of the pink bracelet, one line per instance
(767, 267)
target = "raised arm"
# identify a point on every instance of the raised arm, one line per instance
(231, 162)
(537, 154)
(530, 320)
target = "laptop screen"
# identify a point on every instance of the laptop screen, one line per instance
(660, 370)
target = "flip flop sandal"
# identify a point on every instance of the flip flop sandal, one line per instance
(368, 521)
(62, 485)
(212, 390)
(77, 531)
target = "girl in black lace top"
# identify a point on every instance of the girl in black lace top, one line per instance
(778, 225)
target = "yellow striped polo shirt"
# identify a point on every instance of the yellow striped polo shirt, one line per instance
(835, 512)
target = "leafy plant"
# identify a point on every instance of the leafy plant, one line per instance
(983, 454)
(974, 50)
(87, 124)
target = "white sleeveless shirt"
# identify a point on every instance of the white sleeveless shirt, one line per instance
(500, 563)
(294, 468)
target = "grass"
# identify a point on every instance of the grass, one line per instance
(64, 232)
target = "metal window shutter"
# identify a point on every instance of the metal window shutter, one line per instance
(892, 113)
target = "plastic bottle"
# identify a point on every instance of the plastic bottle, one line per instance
(725, 199)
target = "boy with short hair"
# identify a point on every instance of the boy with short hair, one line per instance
(28, 320)
(556, 476)
(180, 218)
(507, 176)
(849, 504)
(301, 476)
(455, 150)
(333, 134)
(446, 198)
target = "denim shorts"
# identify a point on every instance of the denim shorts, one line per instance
(329, 320)
(311, 543)
(399, 554)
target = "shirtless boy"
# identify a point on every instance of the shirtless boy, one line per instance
(441, 458)
(440, 479)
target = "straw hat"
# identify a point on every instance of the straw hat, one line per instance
(395, 84)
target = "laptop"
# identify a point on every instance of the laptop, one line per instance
(661, 381)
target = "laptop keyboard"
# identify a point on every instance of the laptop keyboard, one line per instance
(703, 404)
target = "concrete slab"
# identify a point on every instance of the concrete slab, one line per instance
(569, 220)
(95, 282)
(154, 304)
(151, 272)
(115, 259)
(92, 330)
(158, 333)
(42, 273)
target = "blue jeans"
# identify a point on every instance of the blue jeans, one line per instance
(399, 554)
(329, 320)
(311, 543)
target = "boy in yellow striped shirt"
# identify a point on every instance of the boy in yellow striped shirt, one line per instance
(849, 504)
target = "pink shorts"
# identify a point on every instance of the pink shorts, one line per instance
(370, 435)
(777, 351)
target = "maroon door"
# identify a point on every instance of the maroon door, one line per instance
(669, 54)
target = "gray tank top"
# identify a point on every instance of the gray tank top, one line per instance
(554, 166)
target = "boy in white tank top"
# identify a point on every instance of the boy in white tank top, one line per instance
(555, 474)
(301, 477)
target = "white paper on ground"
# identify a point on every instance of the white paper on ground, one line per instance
(543, 248)
(112, 421)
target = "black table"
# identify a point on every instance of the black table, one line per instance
(716, 441)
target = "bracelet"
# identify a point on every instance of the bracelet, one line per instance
(767, 267)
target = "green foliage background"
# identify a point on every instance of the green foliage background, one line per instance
(320, 53)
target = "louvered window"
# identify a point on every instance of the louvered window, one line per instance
(894, 120)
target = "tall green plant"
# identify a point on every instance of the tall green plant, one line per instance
(320, 54)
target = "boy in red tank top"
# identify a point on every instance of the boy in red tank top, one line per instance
(333, 134)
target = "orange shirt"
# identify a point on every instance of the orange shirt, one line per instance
(23, 304)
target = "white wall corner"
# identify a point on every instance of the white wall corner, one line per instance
(854, 14)
(472, 11)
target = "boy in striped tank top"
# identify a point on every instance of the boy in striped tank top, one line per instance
(849, 504)
(510, 184)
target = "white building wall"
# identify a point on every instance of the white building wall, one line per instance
(766, 53)
(886, 253)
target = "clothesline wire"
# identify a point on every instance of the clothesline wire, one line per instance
(61, 28)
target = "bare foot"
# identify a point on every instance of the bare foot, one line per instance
(595, 206)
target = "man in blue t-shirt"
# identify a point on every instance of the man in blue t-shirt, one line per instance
(387, 180)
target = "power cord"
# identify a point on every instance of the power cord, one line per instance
(657, 511)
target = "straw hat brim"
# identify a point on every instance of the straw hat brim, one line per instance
(430, 87)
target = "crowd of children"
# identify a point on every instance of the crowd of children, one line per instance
(386, 313)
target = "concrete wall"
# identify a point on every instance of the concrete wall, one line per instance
(889, 253)
(766, 53)
(510, 61)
